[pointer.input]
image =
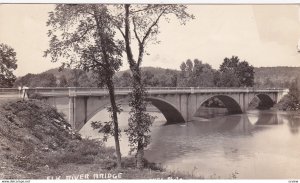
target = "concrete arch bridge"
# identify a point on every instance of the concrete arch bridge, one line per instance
(176, 104)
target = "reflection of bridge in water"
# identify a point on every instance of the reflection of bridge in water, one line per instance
(176, 104)
(200, 136)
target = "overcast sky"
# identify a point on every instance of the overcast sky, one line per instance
(264, 35)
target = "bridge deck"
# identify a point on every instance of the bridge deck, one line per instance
(79, 91)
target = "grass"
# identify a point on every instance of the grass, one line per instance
(36, 142)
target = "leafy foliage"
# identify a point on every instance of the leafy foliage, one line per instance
(196, 74)
(145, 22)
(139, 132)
(54, 78)
(151, 77)
(107, 127)
(7, 65)
(291, 101)
(37, 80)
(276, 76)
(235, 73)
(84, 35)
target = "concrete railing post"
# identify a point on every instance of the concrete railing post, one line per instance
(72, 91)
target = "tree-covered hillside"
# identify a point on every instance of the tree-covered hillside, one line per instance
(153, 76)
(276, 76)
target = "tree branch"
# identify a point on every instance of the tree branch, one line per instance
(121, 31)
(153, 24)
(142, 43)
(127, 37)
(135, 32)
(103, 48)
(84, 33)
(144, 9)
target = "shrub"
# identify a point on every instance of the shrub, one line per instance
(288, 103)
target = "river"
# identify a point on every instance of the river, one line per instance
(254, 145)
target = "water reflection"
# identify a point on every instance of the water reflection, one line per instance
(215, 144)
(294, 124)
(269, 118)
(178, 140)
(258, 144)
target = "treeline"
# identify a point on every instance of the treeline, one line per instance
(191, 74)
(151, 77)
(55, 78)
(276, 76)
(232, 73)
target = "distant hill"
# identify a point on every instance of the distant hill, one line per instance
(67, 72)
(154, 70)
(280, 76)
(276, 76)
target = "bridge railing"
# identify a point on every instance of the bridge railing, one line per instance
(73, 91)
(9, 90)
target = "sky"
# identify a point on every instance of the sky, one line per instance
(263, 35)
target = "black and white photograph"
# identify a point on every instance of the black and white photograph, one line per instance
(97, 91)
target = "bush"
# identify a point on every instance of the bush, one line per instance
(288, 103)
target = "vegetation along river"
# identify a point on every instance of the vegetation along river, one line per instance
(257, 144)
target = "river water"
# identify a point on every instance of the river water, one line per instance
(255, 145)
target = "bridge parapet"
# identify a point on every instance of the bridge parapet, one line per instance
(81, 91)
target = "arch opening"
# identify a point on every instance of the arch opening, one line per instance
(171, 114)
(262, 102)
(218, 105)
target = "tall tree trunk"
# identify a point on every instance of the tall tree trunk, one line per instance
(138, 87)
(111, 90)
(140, 155)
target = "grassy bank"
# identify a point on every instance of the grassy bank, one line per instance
(37, 143)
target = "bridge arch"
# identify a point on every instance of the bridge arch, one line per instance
(261, 101)
(266, 100)
(229, 102)
(105, 102)
(170, 112)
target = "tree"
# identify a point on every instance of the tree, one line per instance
(245, 73)
(183, 69)
(84, 36)
(291, 101)
(80, 78)
(24, 80)
(7, 66)
(242, 73)
(174, 80)
(43, 80)
(36, 80)
(228, 79)
(189, 67)
(294, 89)
(142, 21)
(125, 80)
(63, 81)
(196, 74)
(148, 79)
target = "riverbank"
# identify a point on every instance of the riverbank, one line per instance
(37, 143)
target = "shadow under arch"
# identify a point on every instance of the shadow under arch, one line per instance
(103, 106)
(229, 103)
(170, 112)
(266, 101)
